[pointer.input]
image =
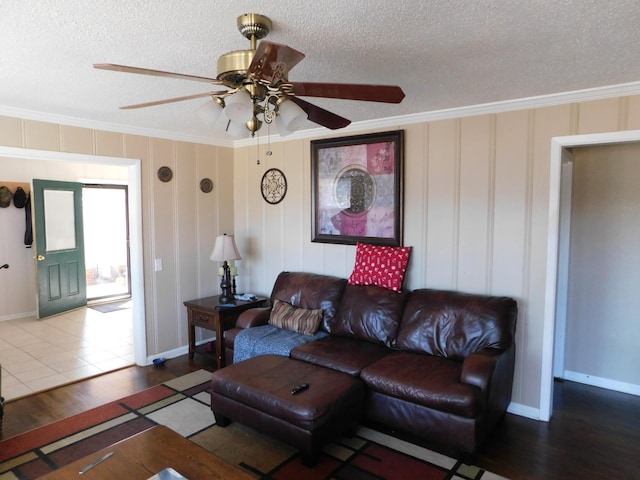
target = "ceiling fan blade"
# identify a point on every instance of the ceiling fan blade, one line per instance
(155, 73)
(273, 61)
(349, 91)
(171, 100)
(320, 115)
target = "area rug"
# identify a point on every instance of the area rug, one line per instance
(183, 405)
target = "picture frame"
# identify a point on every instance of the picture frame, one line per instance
(357, 189)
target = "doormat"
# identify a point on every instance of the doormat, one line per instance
(112, 307)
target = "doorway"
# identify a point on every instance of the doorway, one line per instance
(134, 184)
(106, 242)
(558, 146)
(603, 270)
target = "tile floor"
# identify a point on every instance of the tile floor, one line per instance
(40, 354)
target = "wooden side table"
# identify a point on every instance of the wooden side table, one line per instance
(210, 314)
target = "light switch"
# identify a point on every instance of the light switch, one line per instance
(158, 264)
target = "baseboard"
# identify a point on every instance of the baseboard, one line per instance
(607, 383)
(17, 316)
(176, 352)
(524, 411)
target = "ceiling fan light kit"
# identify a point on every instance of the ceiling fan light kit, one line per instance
(290, 117)
(238, 130)
(259, 90)
(239, 107)
(211, 112)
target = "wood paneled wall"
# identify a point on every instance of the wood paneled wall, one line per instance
(179, 221)
(476, 211)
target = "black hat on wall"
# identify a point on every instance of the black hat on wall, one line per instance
(20, 198)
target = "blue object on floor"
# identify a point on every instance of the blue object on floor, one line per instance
(159, 361)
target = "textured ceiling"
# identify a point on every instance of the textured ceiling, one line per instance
(444, 54)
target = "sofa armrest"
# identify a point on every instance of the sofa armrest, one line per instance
(491, 370)
(253, 317)
(478, 368)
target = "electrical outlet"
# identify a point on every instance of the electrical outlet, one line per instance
(158, 264)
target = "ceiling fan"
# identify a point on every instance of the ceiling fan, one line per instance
(258, 87)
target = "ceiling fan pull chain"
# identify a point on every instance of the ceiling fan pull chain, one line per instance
(258, 149)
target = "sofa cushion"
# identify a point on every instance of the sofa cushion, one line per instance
(433, 382)
(311, 291)
(268, 339)
(343, 354)
(369, 313)
(380, 265)
(454, 325)
(301, 320)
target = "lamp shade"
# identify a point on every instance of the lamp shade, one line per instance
(290, 117)
(210, 112)
(239, 107)
(237, 130)
(225, 249)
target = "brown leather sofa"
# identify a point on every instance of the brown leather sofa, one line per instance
(436, 364)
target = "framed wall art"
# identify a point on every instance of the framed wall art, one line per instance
(357, 189)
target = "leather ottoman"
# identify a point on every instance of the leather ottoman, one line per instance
(258, 393)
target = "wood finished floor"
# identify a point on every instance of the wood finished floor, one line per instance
(594, 433)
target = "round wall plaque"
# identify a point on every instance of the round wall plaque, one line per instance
(165, 174)
(274, 186)
(206, 185)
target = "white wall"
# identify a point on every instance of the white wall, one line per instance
(604, 274)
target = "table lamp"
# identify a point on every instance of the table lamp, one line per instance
(225, 249)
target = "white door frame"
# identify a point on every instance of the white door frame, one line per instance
(134, 182)
(558, 144)
(564, 250)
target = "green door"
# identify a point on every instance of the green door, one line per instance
(59, 246)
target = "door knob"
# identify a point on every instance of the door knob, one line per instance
(40, 258)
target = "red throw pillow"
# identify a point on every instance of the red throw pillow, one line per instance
(380, 265)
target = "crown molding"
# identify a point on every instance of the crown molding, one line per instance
(598, 93)
(110, 127)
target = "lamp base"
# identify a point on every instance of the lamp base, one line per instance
(224, 299)
(225, 285)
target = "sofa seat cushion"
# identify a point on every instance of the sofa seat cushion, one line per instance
(267, 339)
(343, 354)
(426, 380)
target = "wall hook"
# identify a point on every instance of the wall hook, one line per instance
(6, 265)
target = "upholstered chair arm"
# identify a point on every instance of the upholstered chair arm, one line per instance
(253, 317)
(491, 370)
(478, 368)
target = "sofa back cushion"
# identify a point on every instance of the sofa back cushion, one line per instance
(310, 291)
(369, 312)
(454, 325)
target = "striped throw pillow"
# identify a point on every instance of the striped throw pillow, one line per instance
(301, 320)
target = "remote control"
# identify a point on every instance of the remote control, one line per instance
(299, 388)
